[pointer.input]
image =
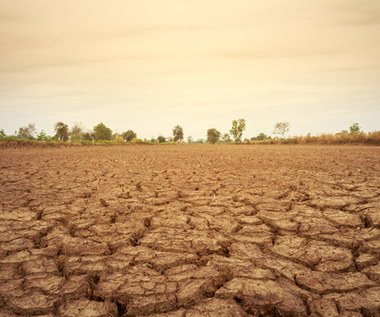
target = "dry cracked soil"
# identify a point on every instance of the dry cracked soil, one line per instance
(190, 231)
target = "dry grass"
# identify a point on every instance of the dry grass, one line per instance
(327, 139)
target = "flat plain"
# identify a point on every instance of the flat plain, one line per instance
(190, 230)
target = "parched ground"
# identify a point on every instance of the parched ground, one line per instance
(190, 231)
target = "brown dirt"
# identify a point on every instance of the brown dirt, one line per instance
(190, 231)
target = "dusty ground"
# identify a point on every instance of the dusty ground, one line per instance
(190, 231)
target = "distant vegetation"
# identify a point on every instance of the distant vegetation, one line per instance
(213, 135)
(238, 127)
(101, 134)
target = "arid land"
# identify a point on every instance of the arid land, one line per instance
(190, 230)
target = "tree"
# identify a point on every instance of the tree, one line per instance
(238, 126)
(2, 133)
(178, 134)
(261, 136)
(355, 128)
(42, 136)
(129, 135)
(27, 132)
(161, 139)
(280, 128)
(76, 132)
(226, 138)
(61, 131)
(117, 138)
(88, 136)
(102, 133)
(190, 139)
(213, 135)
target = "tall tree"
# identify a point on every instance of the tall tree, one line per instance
(102, 133)
(238, 127)
(178, 134)
(27, 132)
(76, 132)
(226, 138)
(61, 131)
(213, 135)
(280, 128)
(355, 128)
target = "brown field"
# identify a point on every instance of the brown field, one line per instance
(190, 231)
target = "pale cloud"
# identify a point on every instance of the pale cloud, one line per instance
(149, 65)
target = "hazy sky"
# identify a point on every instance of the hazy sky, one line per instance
(148, 65)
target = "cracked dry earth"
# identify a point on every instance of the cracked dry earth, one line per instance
(190, 231)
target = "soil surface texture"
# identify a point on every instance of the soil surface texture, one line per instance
(190, 230)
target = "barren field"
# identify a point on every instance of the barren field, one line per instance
(190, 231)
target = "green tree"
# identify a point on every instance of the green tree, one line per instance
(190, 139)
(355, 128)
(129, 135)
(117, 138)
(102, 133)
(27, 132)
(213, 135)
(177, 134)
(61, 131)
(2, 133)
(76, 132)
(260, 137)
(42, 136)
(88, 136)
(161, 139)
(280, 128)
(238, 127)
(226, 138)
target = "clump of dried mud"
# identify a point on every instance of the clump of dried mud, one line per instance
(190, 231)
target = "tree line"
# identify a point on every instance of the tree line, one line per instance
(102, 133)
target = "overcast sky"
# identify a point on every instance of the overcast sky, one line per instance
(149, 65)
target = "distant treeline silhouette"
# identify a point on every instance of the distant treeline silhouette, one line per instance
(104, 135)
